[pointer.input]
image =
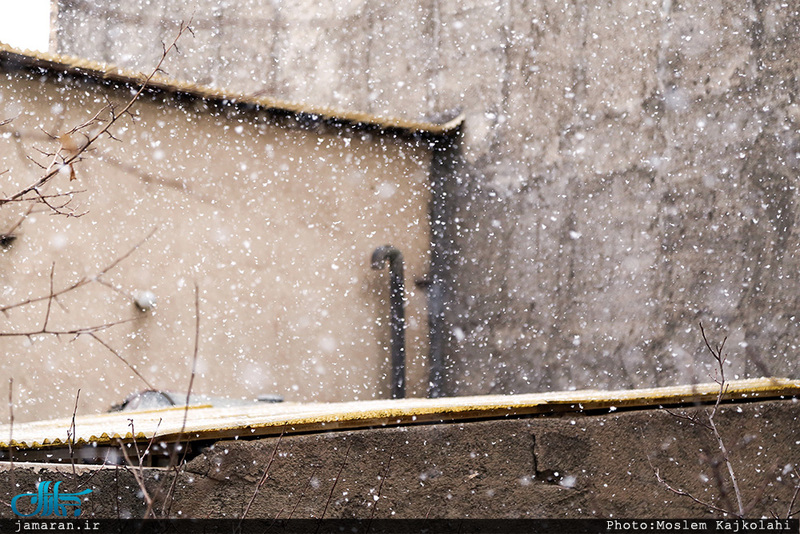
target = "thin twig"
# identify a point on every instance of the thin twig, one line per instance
(65, 194)
(71, 434)
(70, 155)
(303, 493)
(693, 419)
(717, 352)
(174, 463)
(683, 493)
(194, 355)
(336, 481)
(83, 281)
(52, 296)
(152, 440)
(94, 472)
(138, 472)
(720, 358)
(77, 332)
(11, 431)
(123, 360)
(138, 476)
(58, 210)
(731, 473)
(264, 477)
(789, 512)
(19, 222)
(380, 488)
(718, 476)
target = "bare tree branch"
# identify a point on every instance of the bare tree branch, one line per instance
(264, 476)
(11, 430)
(75, 142)
(683, 493)
(94, 336)
(739, 509)
(50, 299)
(693, 419)
(335, 481)
(71, 435)
(10, 232)
(174, 463)
(720, 358)
(380, 489)
(138, 470)
(789, 512)
(76, 332)
(83, 281)
(303, 493)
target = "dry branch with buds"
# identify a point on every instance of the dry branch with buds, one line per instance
(74, 143)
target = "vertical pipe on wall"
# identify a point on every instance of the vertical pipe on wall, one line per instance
(398, 321)
(443, 168)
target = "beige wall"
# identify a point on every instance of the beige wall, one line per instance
(275, 223)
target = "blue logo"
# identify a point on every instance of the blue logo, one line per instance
(49, 503)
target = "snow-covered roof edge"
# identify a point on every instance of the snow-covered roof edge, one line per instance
(257, 420)
(105, 72)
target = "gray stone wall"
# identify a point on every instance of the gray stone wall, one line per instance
(629, 168)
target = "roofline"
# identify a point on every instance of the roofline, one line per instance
(102, 72)
(204, 422)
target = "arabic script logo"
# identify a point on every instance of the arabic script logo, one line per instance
(49, 503)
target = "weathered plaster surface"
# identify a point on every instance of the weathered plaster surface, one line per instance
(629, 168)
(275, 224)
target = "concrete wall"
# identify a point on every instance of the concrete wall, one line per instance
(274, 220)
(576, 466)
(629, 168)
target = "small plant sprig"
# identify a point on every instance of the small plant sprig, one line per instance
(724, 477)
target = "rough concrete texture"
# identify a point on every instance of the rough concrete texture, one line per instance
(629, 168)
(571, 467)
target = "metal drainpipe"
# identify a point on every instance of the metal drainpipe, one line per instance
(445, 167)
(398, 321)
